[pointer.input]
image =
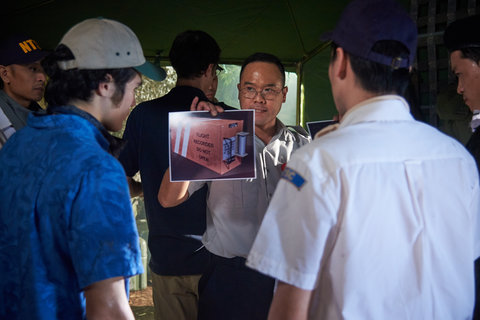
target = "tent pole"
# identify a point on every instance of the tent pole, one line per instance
(299, 70)
(300, 106)
(315, 51)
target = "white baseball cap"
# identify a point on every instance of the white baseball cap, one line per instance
(106, 44)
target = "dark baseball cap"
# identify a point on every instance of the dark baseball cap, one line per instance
(463, 33)
(20, 49)
(365, 22)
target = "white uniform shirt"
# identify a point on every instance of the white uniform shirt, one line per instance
(379, 218)
(235, 208)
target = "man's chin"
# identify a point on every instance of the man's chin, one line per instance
(38, 97)
(473, 108)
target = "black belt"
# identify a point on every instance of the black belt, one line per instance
(238, 262)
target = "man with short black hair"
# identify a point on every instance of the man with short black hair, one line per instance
(23, 82)
(464, 48)
(68, 240)
(177, 255)
(463, 44)
(235, 208)
(378, 219)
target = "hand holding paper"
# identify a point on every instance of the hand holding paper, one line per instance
(205, 106)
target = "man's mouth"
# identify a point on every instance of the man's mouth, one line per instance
(260, 109)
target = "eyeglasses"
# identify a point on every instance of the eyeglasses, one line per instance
(218, 70)
(267, 93)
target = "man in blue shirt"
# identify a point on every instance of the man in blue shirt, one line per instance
(68, 239)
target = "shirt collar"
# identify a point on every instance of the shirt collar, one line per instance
(34, 106)
(280, 130)
(380, 108)
(114, 145)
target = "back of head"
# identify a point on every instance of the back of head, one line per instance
(381, 40)
(192, 52)
(264, 57)
(77, 84)
(462, 35)
(87, 53)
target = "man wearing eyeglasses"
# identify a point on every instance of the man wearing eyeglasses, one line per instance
(235, 208)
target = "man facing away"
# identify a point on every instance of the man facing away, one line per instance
(235, 208)
(464, 47)
(69, 241)
(379, 218)
(22, 82)
(177, 257)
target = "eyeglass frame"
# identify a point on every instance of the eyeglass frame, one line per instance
(218, 70)
(262, 93)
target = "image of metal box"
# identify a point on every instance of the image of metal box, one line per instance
(217, 144)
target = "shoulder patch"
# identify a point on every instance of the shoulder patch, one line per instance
(293, 177)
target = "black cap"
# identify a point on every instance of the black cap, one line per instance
(20, 49)
(463, 33)
(365, 22)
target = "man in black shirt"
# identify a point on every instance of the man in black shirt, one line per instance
(177, 256)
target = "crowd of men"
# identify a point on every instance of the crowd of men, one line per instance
(376, 218)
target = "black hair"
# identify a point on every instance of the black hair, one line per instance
(379, 78)
(192, 52)
(66, 85)
(264, 57)
(472, 53)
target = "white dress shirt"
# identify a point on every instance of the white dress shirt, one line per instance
(379, 218)
(235, 208)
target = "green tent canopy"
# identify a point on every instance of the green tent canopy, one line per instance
(289, 29)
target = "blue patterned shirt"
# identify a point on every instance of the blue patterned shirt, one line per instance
(65, 218)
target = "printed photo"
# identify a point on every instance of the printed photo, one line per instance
(203, 147)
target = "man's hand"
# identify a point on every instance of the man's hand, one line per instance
(205, 105)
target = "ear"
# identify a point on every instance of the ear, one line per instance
(106, 88)
(340, 64)
(284, 93)
(4, 74)
(238, 87)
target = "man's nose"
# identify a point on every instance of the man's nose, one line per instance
(459, 88)
(259, 97)
(41, 77)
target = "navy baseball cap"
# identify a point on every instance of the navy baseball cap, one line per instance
(20, 49)
(365, 22)
(462, 34)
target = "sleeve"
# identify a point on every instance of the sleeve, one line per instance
(194, 186)
(130, 153)
(475, 209)
(292, 241)
(103, 238)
